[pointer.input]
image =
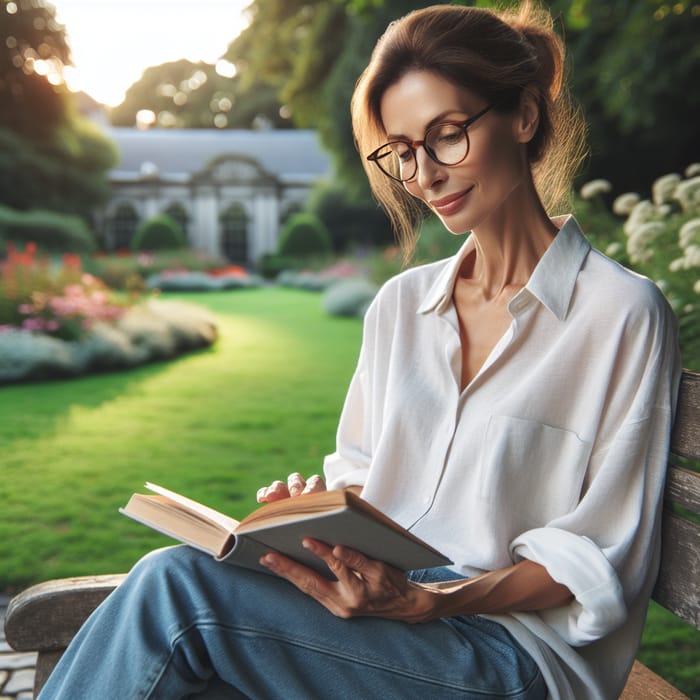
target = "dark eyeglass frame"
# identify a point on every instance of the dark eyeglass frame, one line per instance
(375, 156)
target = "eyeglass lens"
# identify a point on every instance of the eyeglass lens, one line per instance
(447, 144)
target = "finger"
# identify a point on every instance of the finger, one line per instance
(345, 574)
(314, 484)
(276, 491)
(295, 484)
(305, 579)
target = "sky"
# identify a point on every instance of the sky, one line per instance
(114, 41)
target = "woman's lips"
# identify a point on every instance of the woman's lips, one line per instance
(450, 204)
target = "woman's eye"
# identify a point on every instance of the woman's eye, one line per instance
(449, 136)
(404, 154)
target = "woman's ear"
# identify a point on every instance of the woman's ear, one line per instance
(528, 115)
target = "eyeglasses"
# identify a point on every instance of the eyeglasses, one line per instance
(446, 143)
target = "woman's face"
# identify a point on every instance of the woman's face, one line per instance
(466, 195)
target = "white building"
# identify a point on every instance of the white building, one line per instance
(230, 190)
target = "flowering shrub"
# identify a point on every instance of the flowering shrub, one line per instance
(660, 238)
(60, 301)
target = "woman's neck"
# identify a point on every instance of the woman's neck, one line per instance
(508, 247)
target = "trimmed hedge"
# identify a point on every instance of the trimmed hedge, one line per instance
(160, 232)
(51, 231)
(303, 236)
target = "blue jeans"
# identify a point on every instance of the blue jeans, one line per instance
(183, 625)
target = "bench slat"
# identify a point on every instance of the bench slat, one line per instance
(683, 488)
(644, 684)
(678, 585)
(685, 439)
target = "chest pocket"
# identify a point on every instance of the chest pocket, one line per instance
(531, 469)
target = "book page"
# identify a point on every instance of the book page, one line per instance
(223, 521)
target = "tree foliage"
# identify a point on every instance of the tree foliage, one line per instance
(184, 94)
(635, 68)
(50, 158)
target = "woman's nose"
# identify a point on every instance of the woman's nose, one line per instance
(430, 173)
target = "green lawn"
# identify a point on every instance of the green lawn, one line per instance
(214, 424)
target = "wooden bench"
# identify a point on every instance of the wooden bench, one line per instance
(45, 617)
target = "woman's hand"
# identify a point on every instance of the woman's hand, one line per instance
(296, 486)
(365, 587)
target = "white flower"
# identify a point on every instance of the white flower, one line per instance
(643, 211)
(688, 308)
(689, 233)
(677, 264)
(624, 204)
(692, 257)
(613, 249)
(640, 239)
(663, 188)
(696, 287)
(594, 188)
(688, 194)
(692, 169)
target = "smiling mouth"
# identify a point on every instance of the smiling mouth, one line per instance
(451, 203)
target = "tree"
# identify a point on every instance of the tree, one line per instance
(33, 54)
(50, 158)
(193, 95)
(635, 68)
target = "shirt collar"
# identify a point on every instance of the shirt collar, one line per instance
(552, 281)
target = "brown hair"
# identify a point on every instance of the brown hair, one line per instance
(495, 54)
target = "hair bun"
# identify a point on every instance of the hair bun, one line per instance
(536, 28)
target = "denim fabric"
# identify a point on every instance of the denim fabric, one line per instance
(183, 625)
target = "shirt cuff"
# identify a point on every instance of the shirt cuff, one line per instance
(579, 564)
(340, 472)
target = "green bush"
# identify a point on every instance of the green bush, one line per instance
(160, 232)
(351, 219)
(51, 231)
(304, 235)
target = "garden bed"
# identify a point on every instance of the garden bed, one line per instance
(154, 330)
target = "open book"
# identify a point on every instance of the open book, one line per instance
(333, 517)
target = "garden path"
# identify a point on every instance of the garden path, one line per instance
(16, 670)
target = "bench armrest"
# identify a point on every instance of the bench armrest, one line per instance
(46, 616)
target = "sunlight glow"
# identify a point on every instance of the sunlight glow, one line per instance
(113, 41)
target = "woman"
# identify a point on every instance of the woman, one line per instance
(511, 406)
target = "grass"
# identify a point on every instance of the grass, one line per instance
(215, 424)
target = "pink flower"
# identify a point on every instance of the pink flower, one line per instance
(26, 308)
(33, 324)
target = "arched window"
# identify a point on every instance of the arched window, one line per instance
(234, 234)
(123, 226)
(179, 214)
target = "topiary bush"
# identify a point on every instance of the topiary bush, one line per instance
(51, 231)
(351, 218)
(304, 235)
(160, 232)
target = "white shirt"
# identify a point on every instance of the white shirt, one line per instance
(554, 452)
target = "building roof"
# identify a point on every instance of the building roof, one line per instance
(291, 155)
